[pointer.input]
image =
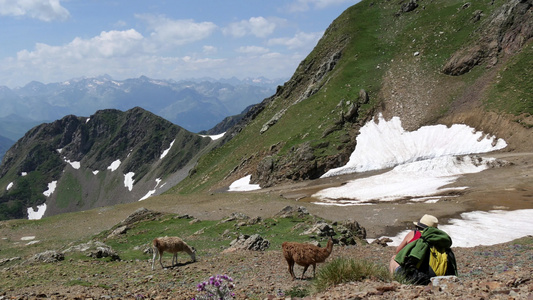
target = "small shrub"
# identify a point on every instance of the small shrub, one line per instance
(297, 292)
(217, 287)
(342, 270)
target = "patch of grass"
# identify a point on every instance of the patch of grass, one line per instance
(206, 236)
(78, 282)
(297, 291)
(342, 270)
(513, 88)
(69, 191)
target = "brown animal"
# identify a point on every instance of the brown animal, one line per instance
(305, 255)
(173, 245)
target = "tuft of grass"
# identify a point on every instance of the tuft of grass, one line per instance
(78, 282)
(342, 270)
(297, 291)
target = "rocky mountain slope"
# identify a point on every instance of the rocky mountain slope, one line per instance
(108, 158)
(423, 61)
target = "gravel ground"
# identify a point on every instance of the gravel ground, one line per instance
(501, 271)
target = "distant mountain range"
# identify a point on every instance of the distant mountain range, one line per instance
(195, 105)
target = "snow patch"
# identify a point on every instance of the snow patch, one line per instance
(243, 184)
(214, 137)
(23, 174)
(416, 180)
(36, 214)
(167, 150)
(27, 238)
(9, 186)
(484, 228)
(423, 161)
(128, 180)
(75, 164)
(386, 144)
(95, 172)
(59, 150)
(51, 188)
(151, 192)
(114, 165)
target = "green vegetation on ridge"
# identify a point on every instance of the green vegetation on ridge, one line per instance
(372, 37)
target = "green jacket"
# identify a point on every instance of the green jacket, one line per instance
(418, 249)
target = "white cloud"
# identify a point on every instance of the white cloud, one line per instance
(44, 10)
(177, 32)
(257, 26)
(207, 49)
(299, 40)
(252, 50)
(107, 44)
(305, 5)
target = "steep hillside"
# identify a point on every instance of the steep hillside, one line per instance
(426, 62)
(79, 163)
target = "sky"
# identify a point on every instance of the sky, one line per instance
(421, 163)
(57, 40)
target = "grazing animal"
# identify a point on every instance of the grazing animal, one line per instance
(173, 245)
(305, 255)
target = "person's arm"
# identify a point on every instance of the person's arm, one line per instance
(406, 240)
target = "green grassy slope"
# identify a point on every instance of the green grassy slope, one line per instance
(372, 36)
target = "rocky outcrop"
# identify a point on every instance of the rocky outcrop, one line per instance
(506, 31)
(249, 242)
(49, 256)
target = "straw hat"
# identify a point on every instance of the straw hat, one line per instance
(427, 221)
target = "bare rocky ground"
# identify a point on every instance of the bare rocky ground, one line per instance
(501, 271)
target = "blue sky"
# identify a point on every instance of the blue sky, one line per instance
(56, 40)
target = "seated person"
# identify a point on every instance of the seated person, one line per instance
(424, 253)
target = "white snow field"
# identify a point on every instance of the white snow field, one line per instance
(423, 161)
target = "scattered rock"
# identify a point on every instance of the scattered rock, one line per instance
(101, 252)
(118, 231)
(409, 6)
(49, 256)
(140, 214)
(382, 242)
(246, 242)
(6, 260)
(321, 229)
(94, 249)
(235, 216)
(289, 211)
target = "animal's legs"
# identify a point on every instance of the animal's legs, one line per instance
(305, 269)
(155, 251)
(291, 268)
(160, 257)
(175, 258)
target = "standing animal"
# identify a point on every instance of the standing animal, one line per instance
(305, 255)
(172, 244)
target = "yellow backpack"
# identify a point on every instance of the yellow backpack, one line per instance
(438, 261)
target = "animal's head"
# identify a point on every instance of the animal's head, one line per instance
(193, 254)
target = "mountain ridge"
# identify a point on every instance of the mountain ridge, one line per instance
(108, 158)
